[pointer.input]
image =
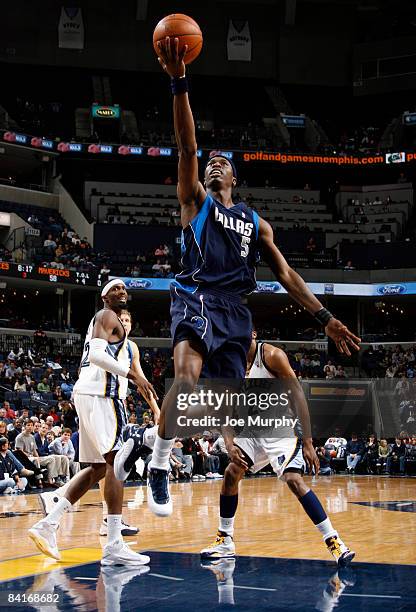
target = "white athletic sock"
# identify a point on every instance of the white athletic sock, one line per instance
(226, 592)
(326, 529)
(161, 453)
(105, 509)
(58, 511)
(114, 528)
(227, 525)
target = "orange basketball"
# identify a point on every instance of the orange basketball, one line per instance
(182, 27)
(333, 453)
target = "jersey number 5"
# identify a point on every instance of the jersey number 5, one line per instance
(84, 361)
(245, 241)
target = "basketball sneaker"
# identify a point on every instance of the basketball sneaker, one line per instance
(118, 553)
(341, 553)
(43, 535)
(223, 546)
(158, 497)
(47, 501)
(130, 452)
(126, 530)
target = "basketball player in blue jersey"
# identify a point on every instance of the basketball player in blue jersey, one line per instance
(211, 327)
(284, 455)
(104, 369)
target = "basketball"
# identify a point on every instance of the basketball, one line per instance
(333, 453)
(182, 27)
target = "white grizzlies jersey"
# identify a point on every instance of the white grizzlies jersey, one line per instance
(93, 380)
(258, 368)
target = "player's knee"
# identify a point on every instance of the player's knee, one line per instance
(295, 483)
(185, 379)
(232, 475)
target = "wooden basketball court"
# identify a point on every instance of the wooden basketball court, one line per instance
(374, 515)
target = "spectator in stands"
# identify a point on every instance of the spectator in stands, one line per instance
(324, 456)
(383, 453)
(50, 422)
(43, 386)
(49, 243)
(68, 415)
(349, 265)
(340, 373)
(396, 456)
(57, 465)
(219, 449)
(14, 430)
(371, 454)
(39, 337)
(329, 370)
(20, 385)
(12, 371)
(211, 460)
(192, 447)
(66, 389)
(52, 413)
(4, 418)
(63, 446)
(10, 470)
(25, 443)
(57, 394)
(36, 426)
(355, 451)
(105, 270)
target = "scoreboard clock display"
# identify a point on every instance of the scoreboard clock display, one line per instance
(51, 275)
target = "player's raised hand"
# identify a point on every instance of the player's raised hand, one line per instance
(144, 386)
(344, 339)
(170, 58)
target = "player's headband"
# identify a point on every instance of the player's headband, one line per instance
(112, 283)
(219, 154)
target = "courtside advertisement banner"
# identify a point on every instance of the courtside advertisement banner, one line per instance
(353, 289)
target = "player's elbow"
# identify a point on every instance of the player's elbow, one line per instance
(285, 275)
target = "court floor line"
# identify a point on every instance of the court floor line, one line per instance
(368, 595)
(166, 577)
(253, 588)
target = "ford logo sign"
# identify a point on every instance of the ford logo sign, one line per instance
(391, 289)
(139, 283)
(268, 287)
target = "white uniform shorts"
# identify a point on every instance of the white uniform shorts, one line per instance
(281, 453)
(101, 423)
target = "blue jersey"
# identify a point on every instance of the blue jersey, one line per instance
(220, 249)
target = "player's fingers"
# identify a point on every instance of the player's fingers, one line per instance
(182, 54)
(162, 63)
(176, 49)
(353, 337)
(345, 348)
(168, 49)
(161, 48)
(339, 347)
(152, 391)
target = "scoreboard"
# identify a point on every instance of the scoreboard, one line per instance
(50, 275)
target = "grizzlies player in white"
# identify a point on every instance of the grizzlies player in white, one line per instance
(286, 458)
(104, 368)
(48, 499)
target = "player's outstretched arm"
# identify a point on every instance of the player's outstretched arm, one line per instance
(191, 193)
(299, 291)
(136, 366)
(106, 324)
(278, 363)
